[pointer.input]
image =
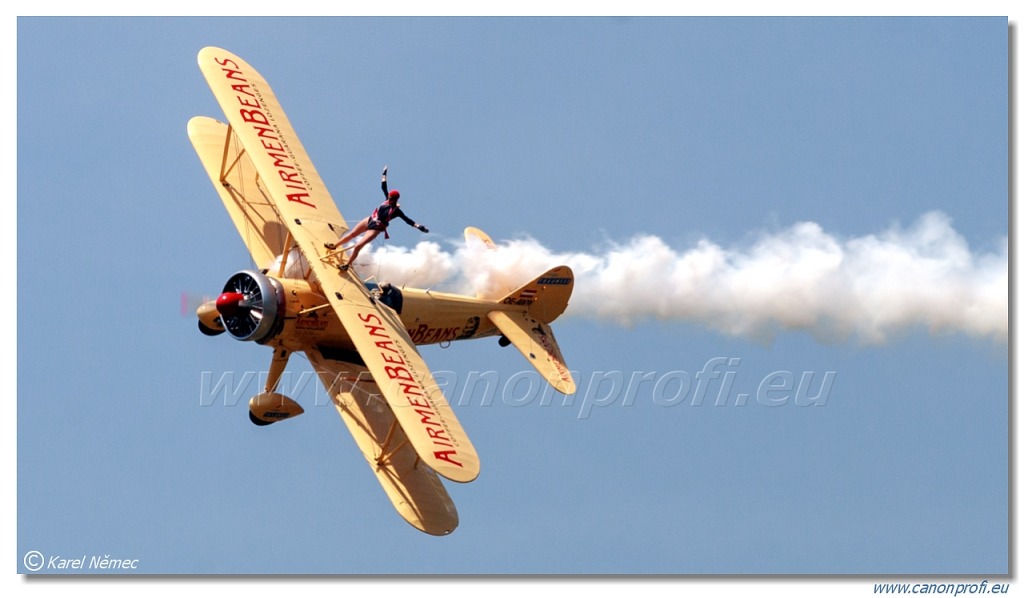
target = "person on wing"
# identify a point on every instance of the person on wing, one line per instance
(375, 223)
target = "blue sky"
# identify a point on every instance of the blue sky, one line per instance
(581, 134)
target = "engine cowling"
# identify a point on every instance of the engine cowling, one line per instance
(251, 306)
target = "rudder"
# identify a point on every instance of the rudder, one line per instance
(545, 297)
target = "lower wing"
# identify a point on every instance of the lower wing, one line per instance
(415, 490)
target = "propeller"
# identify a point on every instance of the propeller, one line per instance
(248, 306)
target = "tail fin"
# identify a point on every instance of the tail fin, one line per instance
(545, 297)
(524, 317)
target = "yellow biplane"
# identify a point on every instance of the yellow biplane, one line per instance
(359, 335)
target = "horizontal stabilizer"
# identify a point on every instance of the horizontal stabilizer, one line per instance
(475, 236)
(536, 342)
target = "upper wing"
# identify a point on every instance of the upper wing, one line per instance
(309, 213)
(403, 378)
(415, 490)
(286, 173)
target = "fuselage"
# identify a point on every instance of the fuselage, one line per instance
(429, 317)
(293, 313)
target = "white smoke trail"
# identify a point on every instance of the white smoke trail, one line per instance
(870, 287)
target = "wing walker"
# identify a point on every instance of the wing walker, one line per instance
(360, 336)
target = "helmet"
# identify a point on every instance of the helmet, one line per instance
(394, 194)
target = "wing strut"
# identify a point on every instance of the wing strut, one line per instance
(289, 241)
(232, 173)
(224, 172)
(385, 452)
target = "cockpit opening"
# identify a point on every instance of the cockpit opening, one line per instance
(388, 294)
